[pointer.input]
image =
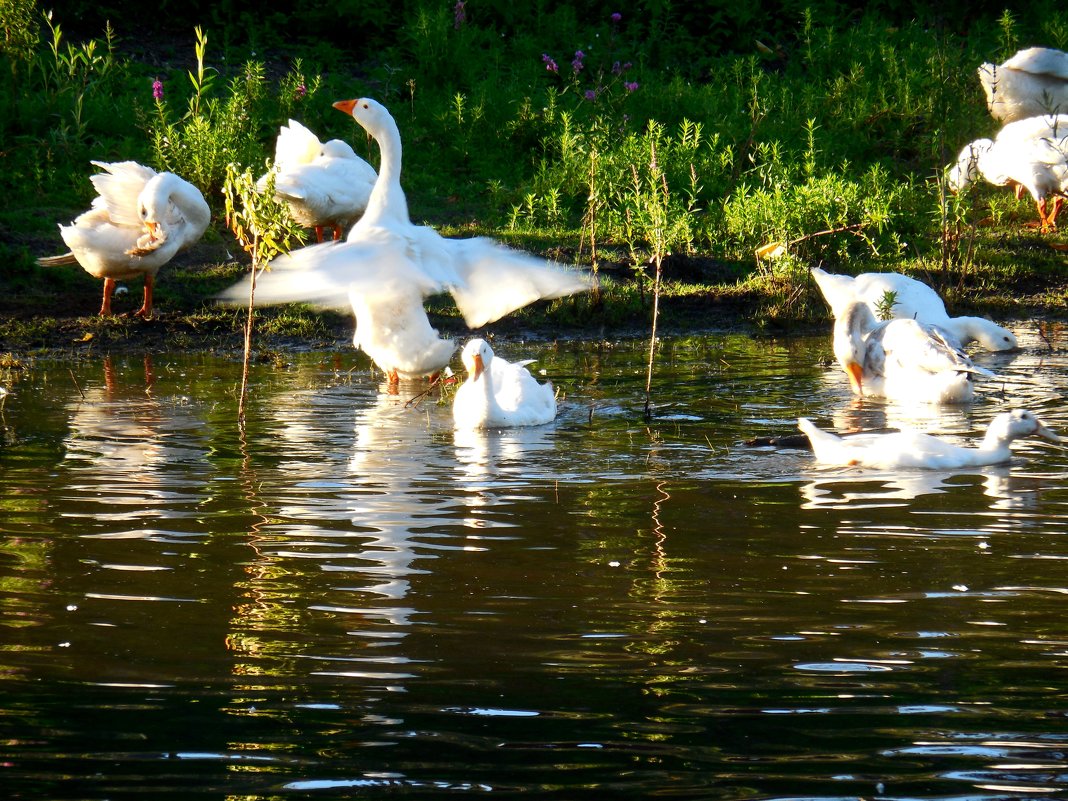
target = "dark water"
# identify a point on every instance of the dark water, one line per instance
(347, 599)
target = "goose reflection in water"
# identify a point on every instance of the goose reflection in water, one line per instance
(115, 428)
(1006, 490)
(406, 489)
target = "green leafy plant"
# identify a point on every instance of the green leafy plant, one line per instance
(264, 228)
(20, 36)
(884, 309)
(656, 226)
(217, 130)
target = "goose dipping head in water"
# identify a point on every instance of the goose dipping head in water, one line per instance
(911, 299)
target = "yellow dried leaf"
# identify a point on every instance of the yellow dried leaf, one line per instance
(86, 337)
(771, 251)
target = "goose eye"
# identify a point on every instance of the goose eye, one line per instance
(367, 105)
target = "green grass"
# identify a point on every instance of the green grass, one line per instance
(830, 141)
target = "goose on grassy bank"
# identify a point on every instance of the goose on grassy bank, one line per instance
(325, 184)
(1033, 82)
(1030, 155)
(139, 220)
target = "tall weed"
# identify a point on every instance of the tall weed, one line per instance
(219, 129)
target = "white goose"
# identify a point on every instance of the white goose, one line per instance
(906, 449)
(139, 220)
(912, 299)
(324, 184)
(1030, 155)
(386, 266)
(901, 359)
(499, 394)
(1031, 83)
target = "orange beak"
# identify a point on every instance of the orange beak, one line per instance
(345, 105)
(855, 373)
(151, 226)
(477, 372)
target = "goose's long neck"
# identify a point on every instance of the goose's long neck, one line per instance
(991, 164)
(968, 329)
(489, 396)
(486, 388)
(187, 198)
(995, 446)
(995, 440)
(850, 329)
(387, 198)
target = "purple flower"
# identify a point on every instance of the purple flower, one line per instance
(626, 66)
(459, 13)
(576, 63)
(300, 91)
(630, 86)
(550, 65)
(616, 68)
(616, 17)
(157, 90)
(591, 95)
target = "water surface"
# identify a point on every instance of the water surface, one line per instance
(346, 598)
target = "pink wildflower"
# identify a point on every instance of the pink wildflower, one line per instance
(157, 90)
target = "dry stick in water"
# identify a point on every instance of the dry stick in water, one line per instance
(652, 338)
(248, 343)
(659, 231)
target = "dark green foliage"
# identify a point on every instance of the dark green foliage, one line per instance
(818, 126)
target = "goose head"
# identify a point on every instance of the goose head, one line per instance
(991, 335)
(1017, 424)
(337, 149)
(967, 171)
(371, 114)
(476, 357)
(850, 329)
(153, 208)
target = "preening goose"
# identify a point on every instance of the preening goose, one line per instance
(901, 359)
(326, 185)
(139, 220)
(911, 299)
